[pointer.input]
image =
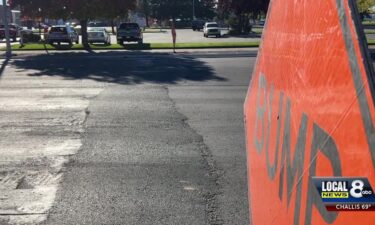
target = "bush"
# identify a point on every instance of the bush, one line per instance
(239, 24)
(233, 22)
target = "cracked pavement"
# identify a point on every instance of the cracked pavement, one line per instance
(123, 138)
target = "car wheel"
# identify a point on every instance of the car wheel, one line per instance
(77, 42)
(218, 35)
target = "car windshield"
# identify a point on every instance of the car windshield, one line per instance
(96, 30)
(59, 29)
(129, 26)
(97, 24)
(212, 25)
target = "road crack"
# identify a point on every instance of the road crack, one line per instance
(214, 172)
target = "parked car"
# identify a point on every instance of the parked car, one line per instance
(211, 29)
(14, 31)
(100, 24)
(62, 34)
(128, 32)
(197, 25)
(98, 35)
(43, 27)
(71, 24)
(28, 36)
(78, 29)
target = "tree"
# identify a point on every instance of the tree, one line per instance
(205, 9)
(364, 6)
(33, 8)
(170, 9)
(83, 10)
(145, 8)
(243, 10)
(115, 9)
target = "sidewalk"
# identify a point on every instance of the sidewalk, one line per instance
(213, 51)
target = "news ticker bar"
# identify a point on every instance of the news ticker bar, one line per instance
(350, 207)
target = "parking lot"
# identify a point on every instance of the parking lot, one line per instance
(188, 35)
(184, 36)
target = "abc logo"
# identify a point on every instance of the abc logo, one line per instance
(357, 189)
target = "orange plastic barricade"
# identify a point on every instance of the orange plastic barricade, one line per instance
(309, 112)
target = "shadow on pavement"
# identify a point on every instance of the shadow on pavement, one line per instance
(143, 46)
(3, 64)
(249, 35)
(369, 26)
(119, 67)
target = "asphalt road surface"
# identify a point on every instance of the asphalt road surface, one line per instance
(160, 137)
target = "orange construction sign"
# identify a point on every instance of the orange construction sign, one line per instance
(309, 112)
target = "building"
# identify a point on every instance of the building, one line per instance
(14, 16)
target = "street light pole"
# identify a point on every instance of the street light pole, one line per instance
(193, 9)
(6, 29)
(40, 18)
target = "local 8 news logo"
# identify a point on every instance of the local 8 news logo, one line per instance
(345, 193)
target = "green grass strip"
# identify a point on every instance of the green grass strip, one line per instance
(145, 46)
(148, 31)
(369, 31)
(368, 22)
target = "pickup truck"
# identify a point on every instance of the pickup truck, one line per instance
(129, 32)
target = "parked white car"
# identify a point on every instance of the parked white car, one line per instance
(98, 35)
(211, 29)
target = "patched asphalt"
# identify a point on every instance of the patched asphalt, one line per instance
(163, 143)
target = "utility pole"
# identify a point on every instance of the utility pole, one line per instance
(6, 30)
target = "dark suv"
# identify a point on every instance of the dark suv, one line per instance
(129, 32)
(197, 25)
